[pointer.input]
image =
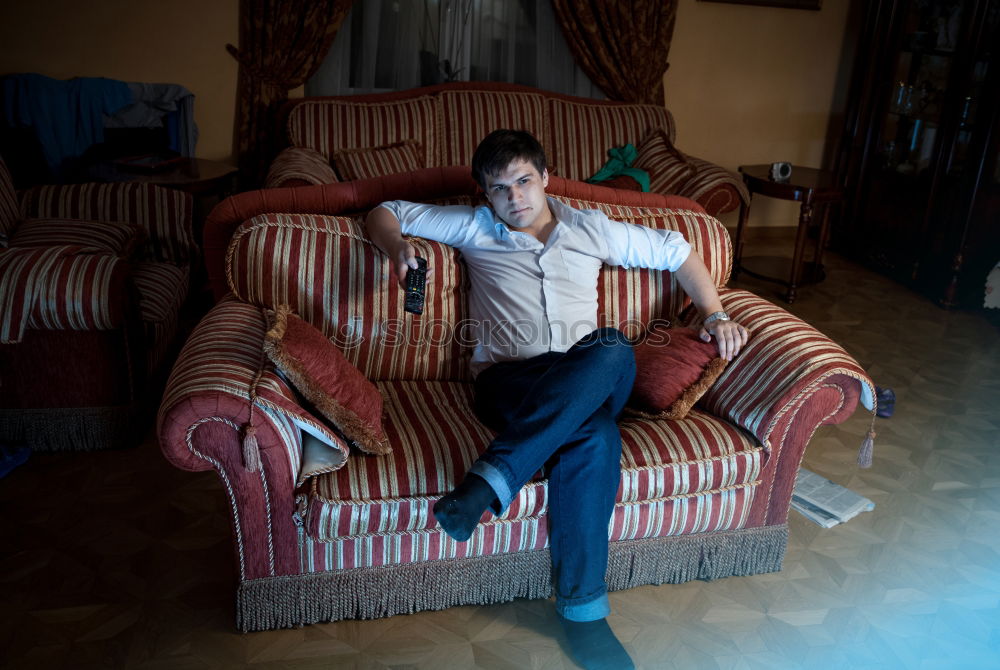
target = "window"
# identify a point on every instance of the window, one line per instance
(391, 45)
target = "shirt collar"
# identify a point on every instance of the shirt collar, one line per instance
(564, 214)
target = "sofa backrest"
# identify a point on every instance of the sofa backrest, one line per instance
(583, 131)
(331, 124)
(329, 272)
(469, 116)
(449, 120)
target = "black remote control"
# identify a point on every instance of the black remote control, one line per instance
(415, 285)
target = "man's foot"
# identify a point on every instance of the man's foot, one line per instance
(593, 645)
(459, 511)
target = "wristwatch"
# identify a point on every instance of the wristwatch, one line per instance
(715, 316)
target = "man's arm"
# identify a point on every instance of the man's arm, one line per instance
(697, 283)
(384, 230)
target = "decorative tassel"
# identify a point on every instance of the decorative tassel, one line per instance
(251, 453)
(867, 447)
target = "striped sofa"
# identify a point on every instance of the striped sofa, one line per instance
(92, 278)
(444, 123)
(323, 532)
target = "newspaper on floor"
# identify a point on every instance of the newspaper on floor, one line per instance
(825, 503)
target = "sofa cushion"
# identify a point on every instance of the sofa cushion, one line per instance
(669, 170)
(10, 211)
(582, 132)
(328, 271)
(469, 116)
(120, 239)
(319, 371)
(377, 161)
(331, 125)
(674, 368)
(436, 437)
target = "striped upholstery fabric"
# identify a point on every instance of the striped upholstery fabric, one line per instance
(331, 125)
(58, 288)
(714, 188)
(583, 132)
(300, 166)
(162, 290)
(10, 211)
(165, 214)
(119, 239)
(222, 356)
(669, 170)
(337, 280)
(436, 437)
(784, 358)
(377, 161)
(708, 512)
(471, 115)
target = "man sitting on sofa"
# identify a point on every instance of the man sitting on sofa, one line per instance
(546, 378)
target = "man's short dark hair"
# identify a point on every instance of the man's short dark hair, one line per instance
(501, 148)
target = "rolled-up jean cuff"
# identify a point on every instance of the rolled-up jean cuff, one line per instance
(497, 482)
(590, 610)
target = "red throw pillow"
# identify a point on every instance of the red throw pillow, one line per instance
(669, 170)
(674, 368)
(327, 379)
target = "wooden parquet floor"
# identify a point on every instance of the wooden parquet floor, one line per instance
(117, 560)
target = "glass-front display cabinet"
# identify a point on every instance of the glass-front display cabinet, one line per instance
(918, 158)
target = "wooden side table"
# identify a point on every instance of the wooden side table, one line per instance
(812, 188)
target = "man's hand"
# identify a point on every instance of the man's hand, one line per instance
(403, 258)
(729, 336)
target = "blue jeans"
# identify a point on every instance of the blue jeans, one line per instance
(559, 411)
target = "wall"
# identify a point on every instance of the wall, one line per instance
(180, 41)
(759, 84)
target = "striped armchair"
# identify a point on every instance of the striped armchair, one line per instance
(92, 277)
(318, 538)
(445, 123)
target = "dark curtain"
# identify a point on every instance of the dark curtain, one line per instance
(282, 44)
(622, 46)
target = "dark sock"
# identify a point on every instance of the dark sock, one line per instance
(459, 511)
(593, 645)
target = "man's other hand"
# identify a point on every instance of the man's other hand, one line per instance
(729, 336)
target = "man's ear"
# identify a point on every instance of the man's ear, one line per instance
(545, 177)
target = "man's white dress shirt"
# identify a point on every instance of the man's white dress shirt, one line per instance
(527, 298)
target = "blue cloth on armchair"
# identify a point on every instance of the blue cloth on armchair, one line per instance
(67, 115)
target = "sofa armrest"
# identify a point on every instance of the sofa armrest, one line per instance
(165, 214)
(61, 288)
(211, 382)
(201, 426)
(785, 362)
(715, 188)
(300, 166)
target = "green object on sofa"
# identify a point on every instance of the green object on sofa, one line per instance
(619, 163)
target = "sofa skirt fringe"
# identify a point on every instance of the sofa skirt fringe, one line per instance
(371, 593)
(70, 429)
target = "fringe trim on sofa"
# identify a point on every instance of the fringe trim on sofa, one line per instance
(370, 593)
(71, 429)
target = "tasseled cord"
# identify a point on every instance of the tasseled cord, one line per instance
(868, 444)
(251, 450)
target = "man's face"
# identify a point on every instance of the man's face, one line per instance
(518, 195)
